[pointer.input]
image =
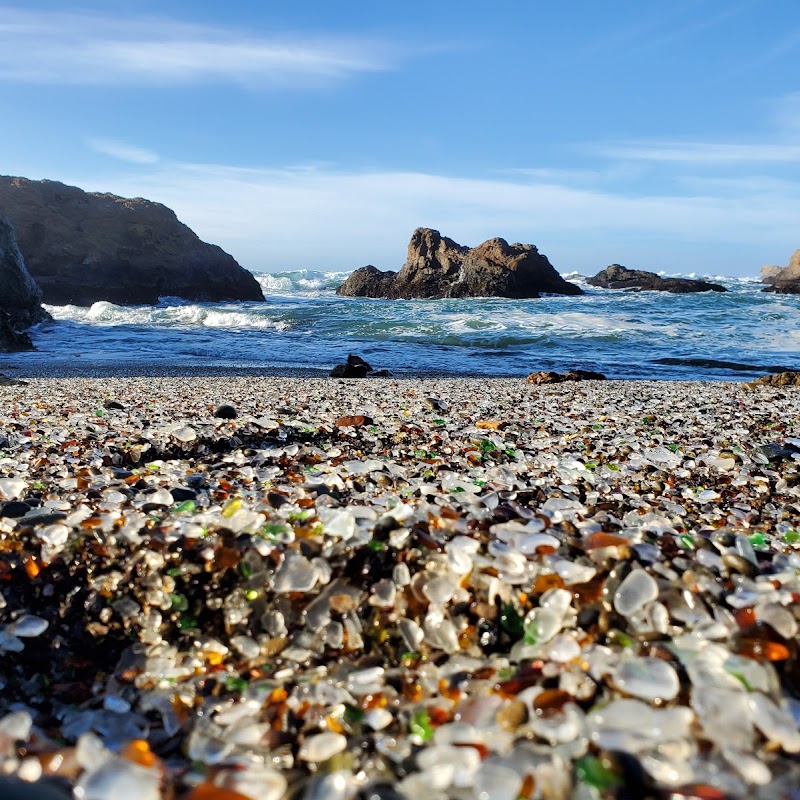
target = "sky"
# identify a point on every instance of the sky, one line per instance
(314, 134)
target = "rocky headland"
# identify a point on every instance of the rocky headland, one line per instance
(439, 267)
(84, 247)
(20, 297)
(618, 277)
(784, 280)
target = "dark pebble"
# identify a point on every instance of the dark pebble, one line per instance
(11, 789)
(196, 481)
(113, 405)
(775, 451)
(226, 411)
(44, 516)
(14, 509)
(179, 494)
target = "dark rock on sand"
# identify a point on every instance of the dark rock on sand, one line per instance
(439, 267)
(786, 280)
(619, 277)
(561, 377)
(113, 405)
(83, 247)
(355, 367)
(225, 411)
(20, 297)
(789, 378)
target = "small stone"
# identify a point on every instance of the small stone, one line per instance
(225, 411)
(356, 421)
(322, 746)
(636, 591)
(647, 678)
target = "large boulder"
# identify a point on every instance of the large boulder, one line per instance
(619, 277)
(786, 280)
(439, 267)
(20, 297)
(83, 247)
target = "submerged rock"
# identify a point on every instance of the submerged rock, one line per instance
(85, 247)
(619, 277)
(439, 267)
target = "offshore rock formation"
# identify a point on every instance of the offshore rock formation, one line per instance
(20, 297)
(619, 277)
(83, 247)
(439, 267)
(786, 280)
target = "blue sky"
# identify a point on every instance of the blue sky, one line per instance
(662, 136)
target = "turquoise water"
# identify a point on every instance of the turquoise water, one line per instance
(303, 323)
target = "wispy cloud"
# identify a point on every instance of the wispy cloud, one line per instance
(703, 152)
(93, 49)
(336, 219)
(123, 151)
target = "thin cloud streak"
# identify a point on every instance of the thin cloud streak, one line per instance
(699, 152)
(97, 50)
(123, 151)
(335, 219)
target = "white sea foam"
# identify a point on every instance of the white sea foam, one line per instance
(107, 314)
(299, 281)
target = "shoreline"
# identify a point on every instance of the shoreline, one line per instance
(99, 370)
(340, 585)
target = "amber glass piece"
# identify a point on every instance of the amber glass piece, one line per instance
(745, 617)
(528, 787)
(139, 752)
(698, 791)
(32, 568)
(208, 791)
(522, 680)
(591, 591)
(551, 701)
(761, 642)
(545, 582)
(602, 539)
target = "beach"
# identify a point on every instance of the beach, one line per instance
(430, 588)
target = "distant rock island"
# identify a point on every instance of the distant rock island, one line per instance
(20, 297)
(439, 267)
(784, 280)
(83, 247)
(619, 277)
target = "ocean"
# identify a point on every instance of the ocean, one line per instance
(304, 325)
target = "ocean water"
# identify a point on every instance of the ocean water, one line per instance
(304, 324)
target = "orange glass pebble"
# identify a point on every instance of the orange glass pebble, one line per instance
(551, 701)
(761, 642)
(545, 582)
(602, 539)
(208, 791)
(745, 617)
(278, 695)
(139, 752)
(698, 791)
(32, 569)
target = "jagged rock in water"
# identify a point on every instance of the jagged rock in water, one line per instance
(616, 276)
(439, 267)
(786, 280)
(20, 297)
(85, 247)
